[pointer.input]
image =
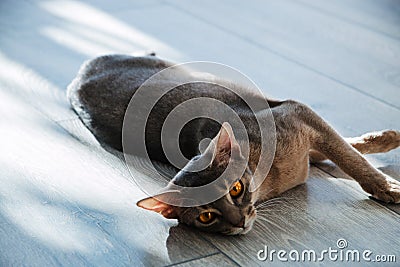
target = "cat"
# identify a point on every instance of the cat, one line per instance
(101, 93)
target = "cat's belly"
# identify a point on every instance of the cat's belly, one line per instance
(291, 163)
(284, 175)
(292, 173)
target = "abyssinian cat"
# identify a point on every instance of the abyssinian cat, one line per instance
(104, 86)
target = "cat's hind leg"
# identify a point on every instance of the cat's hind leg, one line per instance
(369, 143)
(327, 141)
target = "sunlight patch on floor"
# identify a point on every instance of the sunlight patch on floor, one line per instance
(96, 32)
(33, 88)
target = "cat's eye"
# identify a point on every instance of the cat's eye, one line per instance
(236, 190)
(207, 217)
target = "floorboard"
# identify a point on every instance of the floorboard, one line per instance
(67, 201)
(314, 216)
(289, 30)
(213, 260)
(379, 16)
(392, 170)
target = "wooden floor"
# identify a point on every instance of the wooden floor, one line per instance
(66, 201)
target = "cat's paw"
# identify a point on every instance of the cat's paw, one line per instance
(387, 190)
(387, 140)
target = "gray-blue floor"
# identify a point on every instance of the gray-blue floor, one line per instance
(66, 201)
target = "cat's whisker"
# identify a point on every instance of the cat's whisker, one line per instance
(279, 199)
(270, 204)
(272, 223)
(263, 227)
(273, 201)
(269, 208)
(269, 212)
(275, 216)
(270, 201)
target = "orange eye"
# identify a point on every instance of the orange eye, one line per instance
(237, 189)
(207, 217)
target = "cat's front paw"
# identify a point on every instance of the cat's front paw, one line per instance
(387, 190)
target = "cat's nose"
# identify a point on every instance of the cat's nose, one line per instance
(241, 223)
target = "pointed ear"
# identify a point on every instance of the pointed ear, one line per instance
(224, 144)
(156, 204)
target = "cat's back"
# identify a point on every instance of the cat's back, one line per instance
(103, 87)
(114, 72)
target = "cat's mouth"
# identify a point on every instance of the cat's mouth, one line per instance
(236, 231)
(245, 230)
(240, 230)
(247, 227)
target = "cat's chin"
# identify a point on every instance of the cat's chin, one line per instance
(241, 231)
(235, 231)
(238, 231)
(245, 230)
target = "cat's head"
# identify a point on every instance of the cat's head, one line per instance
(233, 213)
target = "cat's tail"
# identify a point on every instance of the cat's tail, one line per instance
(369, 143)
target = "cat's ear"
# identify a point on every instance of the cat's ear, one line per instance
(156, 204)
(224, 145)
